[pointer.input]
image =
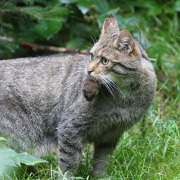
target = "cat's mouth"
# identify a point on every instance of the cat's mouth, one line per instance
(107, 82)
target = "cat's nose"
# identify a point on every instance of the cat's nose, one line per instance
(89, 72)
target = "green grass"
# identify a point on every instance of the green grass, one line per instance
(150, 154)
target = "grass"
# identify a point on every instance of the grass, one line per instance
(153, 155)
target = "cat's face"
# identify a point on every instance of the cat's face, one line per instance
(115, 58)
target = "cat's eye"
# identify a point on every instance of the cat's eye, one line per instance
(104, 61)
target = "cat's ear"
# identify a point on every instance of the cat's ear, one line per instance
(110, 25)
(126, 42)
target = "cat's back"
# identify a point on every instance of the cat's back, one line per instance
(36, 71)
(38, 83)
(38, 65)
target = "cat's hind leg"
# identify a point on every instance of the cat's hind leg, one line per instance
(101, 158)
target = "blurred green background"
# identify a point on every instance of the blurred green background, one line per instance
(40, 27)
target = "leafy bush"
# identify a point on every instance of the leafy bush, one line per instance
(72, 23)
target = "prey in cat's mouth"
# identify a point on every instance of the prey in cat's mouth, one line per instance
(91, 88)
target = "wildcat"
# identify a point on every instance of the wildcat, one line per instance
(62, 102)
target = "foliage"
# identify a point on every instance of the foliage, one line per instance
(10, 159)
(73, 22)
(76, 24)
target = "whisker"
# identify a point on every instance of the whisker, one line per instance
(94, 41)
(109, 84)
(99, 80)
(115, 86)
(88, 47)
(95, 38)
(109, 88)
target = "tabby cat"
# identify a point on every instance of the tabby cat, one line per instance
(62, 102)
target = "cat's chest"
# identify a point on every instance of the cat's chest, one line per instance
(105, 128)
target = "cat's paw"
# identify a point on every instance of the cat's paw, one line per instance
(90, 88)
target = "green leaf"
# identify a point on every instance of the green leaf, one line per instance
(84, 5)
(6, 155)
(68, 1)
(76, 43)
(2, 139)
(9, 159)
(113, 11)
(6, 161)
(51, 22)
(48, 27)
(102, 7)
(33, 11)
(55, 12)
(28, 159)
(177, 5)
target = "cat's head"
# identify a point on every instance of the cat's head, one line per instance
(115, 58)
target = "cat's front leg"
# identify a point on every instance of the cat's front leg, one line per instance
(70, 148)
(90, 88)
